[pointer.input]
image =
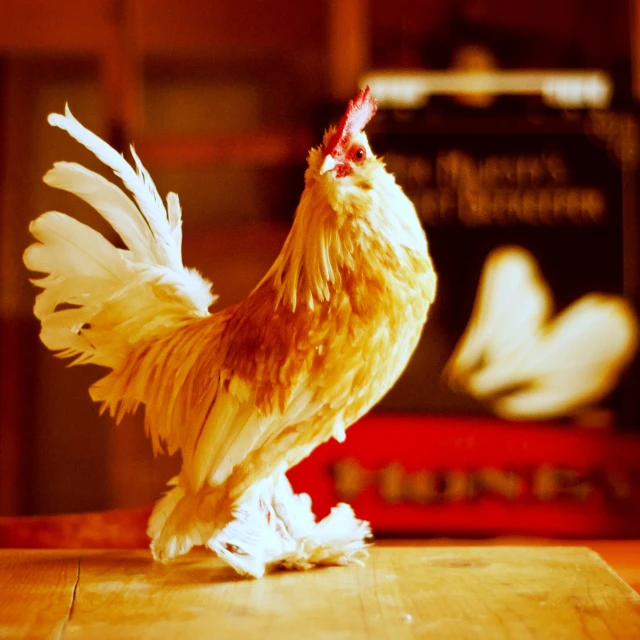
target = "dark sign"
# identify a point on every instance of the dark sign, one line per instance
(562, 187)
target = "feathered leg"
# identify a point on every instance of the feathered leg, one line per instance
(271, 528)
(282, 532)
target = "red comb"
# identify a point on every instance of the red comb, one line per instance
(359, 111)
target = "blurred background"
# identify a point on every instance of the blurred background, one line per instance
(508, 123)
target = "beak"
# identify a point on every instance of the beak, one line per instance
(329, 163)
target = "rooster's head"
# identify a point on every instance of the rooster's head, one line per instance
(345, 149)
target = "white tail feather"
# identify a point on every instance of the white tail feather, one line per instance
(109, 201)
(98, 300)
(139, 184)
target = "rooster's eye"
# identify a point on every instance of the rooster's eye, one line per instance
(358, 154)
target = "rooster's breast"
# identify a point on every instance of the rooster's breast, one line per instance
(377, 320)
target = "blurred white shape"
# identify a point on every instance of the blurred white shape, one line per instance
(561, 89)
(524, 363)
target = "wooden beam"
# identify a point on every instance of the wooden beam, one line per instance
(15, 362)
(167, 26)
(32, 26)
(348, 43)
(121, 61)
(260, 148)
(634, 38)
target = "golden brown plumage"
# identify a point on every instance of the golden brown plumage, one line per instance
(251, 390)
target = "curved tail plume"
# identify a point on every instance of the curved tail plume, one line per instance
(97, 299)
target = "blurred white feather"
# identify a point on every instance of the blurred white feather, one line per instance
(523, 362)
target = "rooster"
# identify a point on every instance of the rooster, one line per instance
(247, 392)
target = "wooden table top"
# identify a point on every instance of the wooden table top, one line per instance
(404, 591)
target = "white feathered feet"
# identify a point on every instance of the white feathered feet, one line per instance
(275, 528)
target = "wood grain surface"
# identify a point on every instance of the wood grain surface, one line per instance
(403, 592)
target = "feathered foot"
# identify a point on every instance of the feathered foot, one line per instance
(271, 528)
(275, 528)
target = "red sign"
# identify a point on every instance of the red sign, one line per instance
(436, 475)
